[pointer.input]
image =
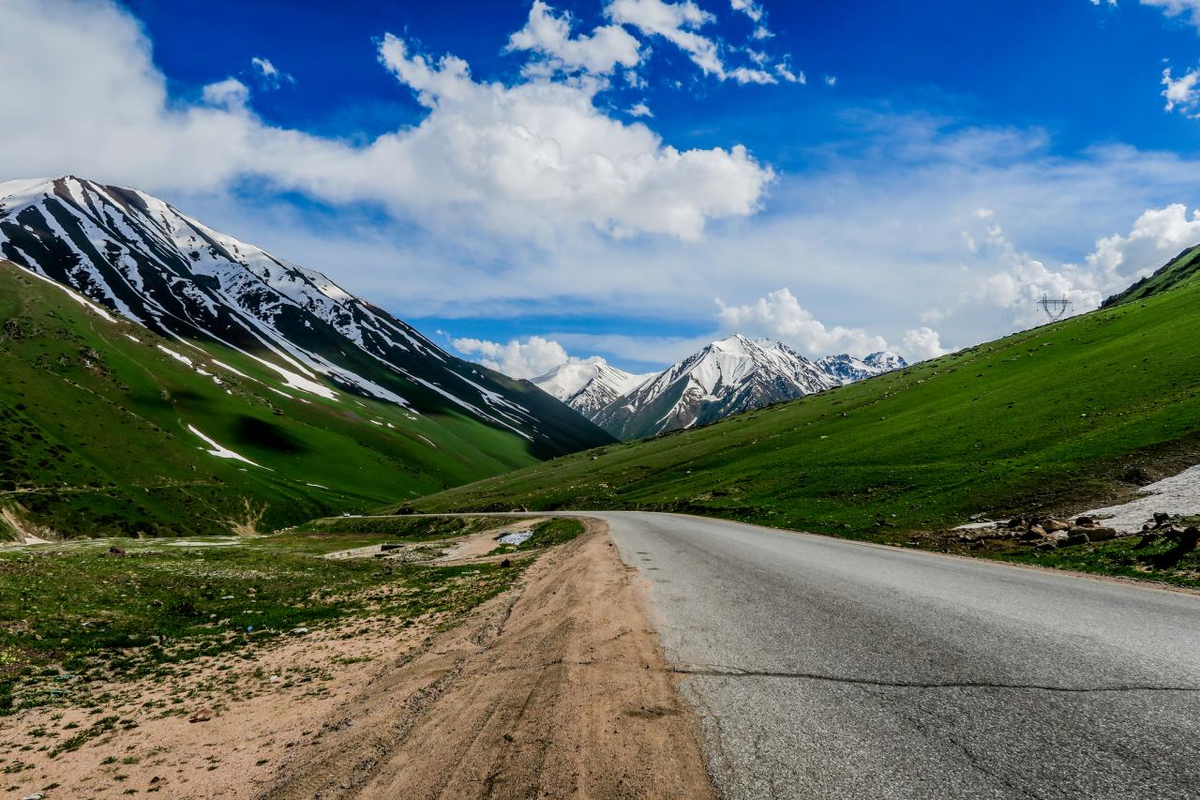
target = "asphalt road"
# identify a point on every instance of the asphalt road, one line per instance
(829, 669)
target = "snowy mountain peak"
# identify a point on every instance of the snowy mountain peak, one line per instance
(845, 368)
(727, 376)
(587, 386)
(138, 256)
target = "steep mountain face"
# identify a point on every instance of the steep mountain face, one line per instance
(588, 387)
(844, 368)
(138, 256)
(732, 375)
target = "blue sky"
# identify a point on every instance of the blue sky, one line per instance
(941, 165)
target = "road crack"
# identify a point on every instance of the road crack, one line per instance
(734, 672)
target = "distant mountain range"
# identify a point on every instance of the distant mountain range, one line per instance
(844, 369)
(588, 387)
(728, 376)
(280, 359)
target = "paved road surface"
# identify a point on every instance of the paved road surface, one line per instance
(829, 669)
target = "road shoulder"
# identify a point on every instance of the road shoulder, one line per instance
(559, 688)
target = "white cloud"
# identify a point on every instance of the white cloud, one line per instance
(1157, 235)
(1181, 93)
(528, 359)
(1117, 261)
(831, 80)
(640, 110)
(549, 35)
(921, 344)
(1172, 8)
(269, 76)
(779, 315)
(784, 71)
(532, 159)
(675, 22)
(229, 94)
(751, 9)
(680, 24)
(546, 144)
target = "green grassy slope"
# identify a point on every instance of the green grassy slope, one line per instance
(95, 439)
(1049, 419)
(1179, 269)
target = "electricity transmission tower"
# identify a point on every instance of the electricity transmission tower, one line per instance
(1055, 309)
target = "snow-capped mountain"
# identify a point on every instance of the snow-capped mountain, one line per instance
(731, 375)
(844, 369)
(588, 386)
(140, 257)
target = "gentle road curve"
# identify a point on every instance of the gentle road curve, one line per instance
(830, 669)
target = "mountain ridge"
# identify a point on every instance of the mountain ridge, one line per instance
(140, 257)
(727, 376)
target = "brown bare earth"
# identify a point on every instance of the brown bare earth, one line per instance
(559, 689)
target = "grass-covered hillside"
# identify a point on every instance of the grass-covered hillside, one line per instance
(1056, 418)
(108, 429)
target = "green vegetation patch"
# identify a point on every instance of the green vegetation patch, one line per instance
(1122, 558)
(98, 424)
(80, 612)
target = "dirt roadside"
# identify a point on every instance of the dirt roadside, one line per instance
(557, 689)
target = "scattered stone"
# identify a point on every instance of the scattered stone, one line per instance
(299, 631)
(387, 548)
(1161, 518)
(203, 715)
(1147, 540)
(1035, 532)
(34, 796)
(506, 563)
(1075, 538)
(1055, 525)
(1045, 547)
(156, 603)
(1016, 522)
(1099, 534)
(115, 551)
(1085, 522)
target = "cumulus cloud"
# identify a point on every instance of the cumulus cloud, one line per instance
(528, 359)
(779, 315)
(1115, 263)
(1181, 93)
(549, 35)
(269, 76)
(921, 344)
(532, 158)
